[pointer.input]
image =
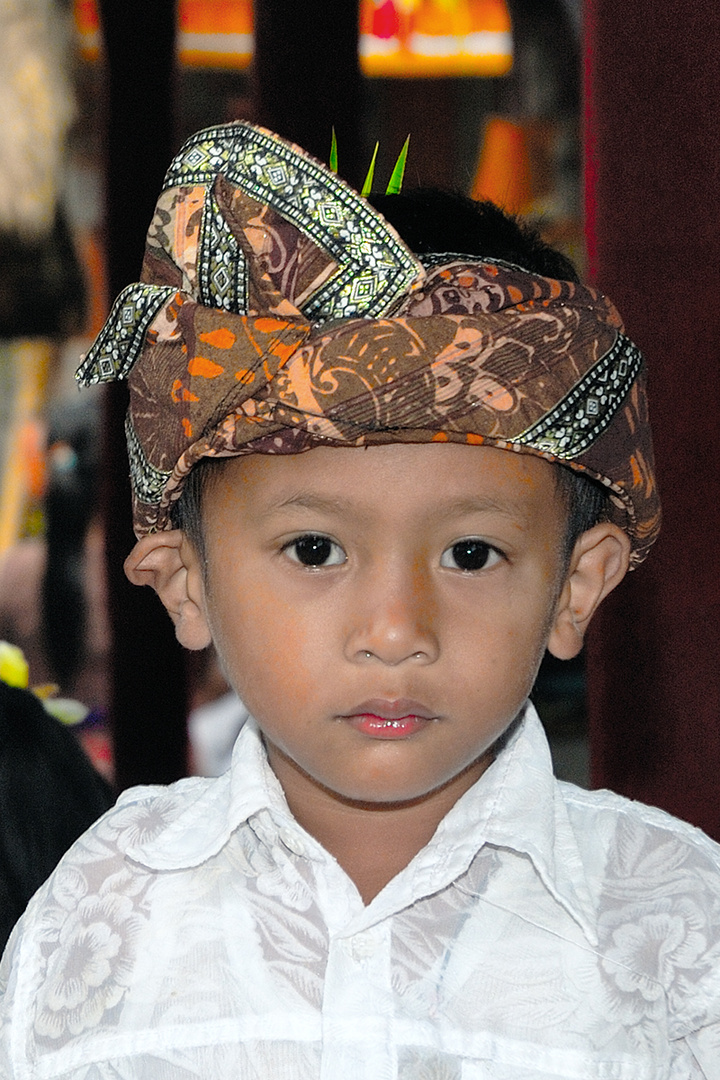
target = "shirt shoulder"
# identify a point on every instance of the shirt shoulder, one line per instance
(94, 905)
(608, 815)
(97, 862)
(656, 886)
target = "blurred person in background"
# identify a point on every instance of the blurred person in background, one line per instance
(41, 286)
(52, 587)
(49, 794)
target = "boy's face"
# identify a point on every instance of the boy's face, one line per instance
(382, 612)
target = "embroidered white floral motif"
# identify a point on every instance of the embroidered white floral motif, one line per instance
(91, 968)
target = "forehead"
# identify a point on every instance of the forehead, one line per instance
(400, 478)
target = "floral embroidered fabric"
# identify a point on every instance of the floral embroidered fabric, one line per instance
(544, 932)
(278, 311)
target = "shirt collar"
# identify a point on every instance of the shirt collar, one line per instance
(519, 805)
(213, 809)
(516, 805)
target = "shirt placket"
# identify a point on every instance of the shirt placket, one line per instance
(358, 1012)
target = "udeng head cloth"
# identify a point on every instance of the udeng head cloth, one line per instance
(277, 311)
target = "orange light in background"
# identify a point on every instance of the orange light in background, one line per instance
(87, 25)
(504, 173)
(215, 33)
(211, 33)
(517, 168)
(435, 37)
(397, 37)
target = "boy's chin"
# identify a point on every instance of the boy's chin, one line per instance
(379, 792)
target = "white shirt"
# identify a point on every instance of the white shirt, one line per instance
(197, 931)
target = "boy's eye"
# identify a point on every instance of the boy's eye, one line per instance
(315, 550)
(470, 554)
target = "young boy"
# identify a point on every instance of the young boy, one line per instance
(382, 484)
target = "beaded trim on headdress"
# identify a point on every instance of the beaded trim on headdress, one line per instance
(373, 268)
(279, 311)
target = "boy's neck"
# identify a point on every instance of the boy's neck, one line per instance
(372, 842)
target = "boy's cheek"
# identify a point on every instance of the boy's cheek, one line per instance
(262, 642)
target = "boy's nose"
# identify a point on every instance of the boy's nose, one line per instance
(394, 624)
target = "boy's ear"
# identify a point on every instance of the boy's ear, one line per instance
(169, 563)
(598, 563)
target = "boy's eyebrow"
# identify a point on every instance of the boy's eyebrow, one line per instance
(464, 507)
(480, 504)
(515, 510)
(308, 500)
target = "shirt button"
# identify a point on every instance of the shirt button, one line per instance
(363, 946)
(292, 842)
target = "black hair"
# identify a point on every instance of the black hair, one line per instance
(586, 504)
(49, 795)
(431, 221)
(186, 513)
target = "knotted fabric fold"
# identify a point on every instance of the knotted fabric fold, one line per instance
(278, 311)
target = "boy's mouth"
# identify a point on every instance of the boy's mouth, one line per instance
(390, 719)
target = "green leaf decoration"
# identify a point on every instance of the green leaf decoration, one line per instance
(367, 186)
(396, 180)
(333, 162)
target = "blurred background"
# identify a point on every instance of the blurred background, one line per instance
(593, 120)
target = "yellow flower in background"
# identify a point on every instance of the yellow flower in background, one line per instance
(14, 671)
(14, 668)
(67, 710)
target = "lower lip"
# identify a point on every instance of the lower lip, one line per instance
(381, 728)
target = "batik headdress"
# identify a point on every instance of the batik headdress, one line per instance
(278, 311)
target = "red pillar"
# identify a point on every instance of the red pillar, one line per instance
(653, 173)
